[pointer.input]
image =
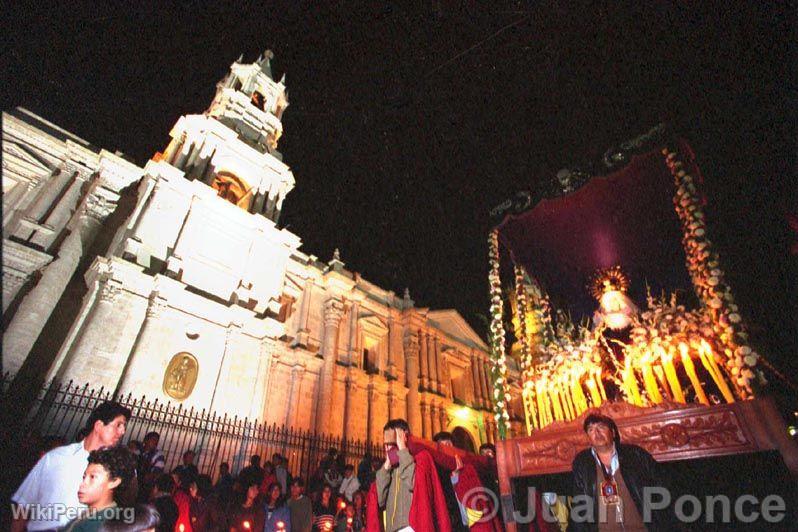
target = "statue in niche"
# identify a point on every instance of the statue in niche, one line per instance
(180, 376)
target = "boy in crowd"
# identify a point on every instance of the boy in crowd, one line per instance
(301, 507)
(350, 484)
(107, 477)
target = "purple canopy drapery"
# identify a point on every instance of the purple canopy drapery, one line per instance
(625, 218)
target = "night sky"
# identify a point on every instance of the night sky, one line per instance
(407, 125)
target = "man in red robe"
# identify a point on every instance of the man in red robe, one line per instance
(428, 509)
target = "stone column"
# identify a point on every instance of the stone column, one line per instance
(443, 417)
(435, 364)
(446, 376)
(13, 207)
(390, 362)
(391, 397)
(38, 304)
(351, 393)
(424, 373)
(333, 311)
(435, 419)
(82, 362)
(297, 375)
(232, 337)
(475, 382)
(411, 368)
(271, 415)
(292, 406)
(303, 333)
(372, 431)
(352, 351)
(488, 384)
(56, 183)
(425, 419)
(481, 380)
(261, 389)
(430, 363)
(138, 353)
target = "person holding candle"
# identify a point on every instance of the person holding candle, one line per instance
(250, 514)
(325, 510)
(278, 516)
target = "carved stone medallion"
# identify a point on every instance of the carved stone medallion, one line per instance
(180, 376)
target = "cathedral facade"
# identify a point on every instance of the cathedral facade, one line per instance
(175, 282)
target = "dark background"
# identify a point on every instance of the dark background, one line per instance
(407, 124)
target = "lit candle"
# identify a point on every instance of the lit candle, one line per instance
(555, 402)
(597, 377)
(660, 373)
(632, 390)
(708, 359)
(543, 406)
(687, 362)
(670, 374)
(594, 393)
(566, 400)
(529, 408)
(579, 397)
(650, 383)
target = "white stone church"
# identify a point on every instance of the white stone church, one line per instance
(174, 282)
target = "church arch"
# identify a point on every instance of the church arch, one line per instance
(462, 439)
(232, 188)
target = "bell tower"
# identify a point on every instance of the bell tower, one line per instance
(232, 147)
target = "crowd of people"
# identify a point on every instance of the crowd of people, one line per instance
(96, 484)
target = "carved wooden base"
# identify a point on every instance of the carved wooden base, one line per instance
(669, 432)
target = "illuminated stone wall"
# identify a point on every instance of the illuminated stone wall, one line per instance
(206, 301)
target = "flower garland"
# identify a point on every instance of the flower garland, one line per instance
(524, 339)
(498, 358)
(708, 279)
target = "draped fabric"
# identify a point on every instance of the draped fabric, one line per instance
(427, 511)
(625, 218)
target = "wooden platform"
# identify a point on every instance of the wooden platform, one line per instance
(669, 432)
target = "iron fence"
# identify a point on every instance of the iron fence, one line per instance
(61, 409)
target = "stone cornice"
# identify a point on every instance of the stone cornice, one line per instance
(23, 258)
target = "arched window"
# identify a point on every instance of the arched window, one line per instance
(462, 440)
(233, 189)
(258, 100)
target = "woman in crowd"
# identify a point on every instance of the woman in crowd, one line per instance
(332, 476)
(269, 477)
(184, 480)
(324, 510)
(359, 508)
(201, 503)
(249, 514)
(278, 516)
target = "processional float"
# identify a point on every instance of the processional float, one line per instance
(660, 348)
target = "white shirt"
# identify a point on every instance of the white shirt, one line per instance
(613, 461)
(53, 485)
(349, 486)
